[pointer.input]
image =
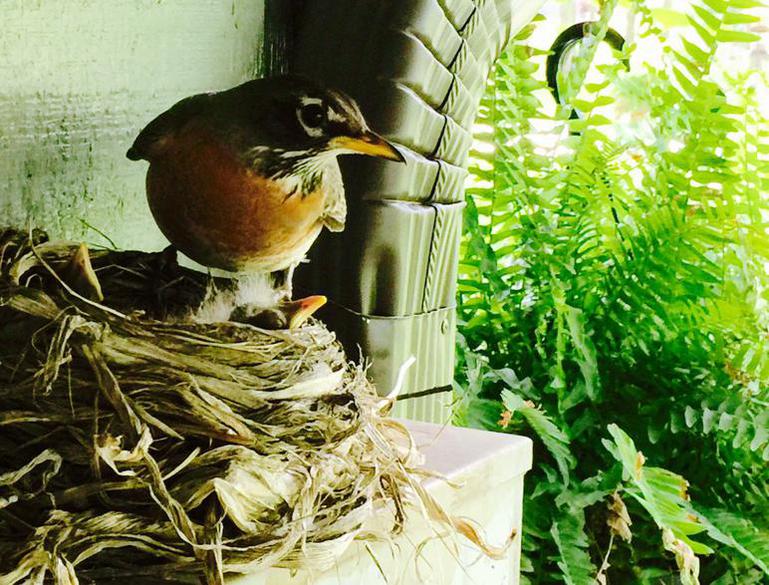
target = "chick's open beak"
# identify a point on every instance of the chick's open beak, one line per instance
(368, 143)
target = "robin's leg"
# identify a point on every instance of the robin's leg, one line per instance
(283, 280)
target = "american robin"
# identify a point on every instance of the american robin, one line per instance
(245, 179)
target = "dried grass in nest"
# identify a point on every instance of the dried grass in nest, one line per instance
(137, 444)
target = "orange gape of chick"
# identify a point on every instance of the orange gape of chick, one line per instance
(244, 179)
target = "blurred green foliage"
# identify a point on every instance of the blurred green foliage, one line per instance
(613, 302)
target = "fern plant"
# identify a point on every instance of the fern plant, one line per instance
(613, 305)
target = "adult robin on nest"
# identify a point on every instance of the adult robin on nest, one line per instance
(244, 180)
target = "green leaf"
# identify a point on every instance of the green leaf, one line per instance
(669, 18)
(554, 439)
(718, 6)
(710, 19)
(626, 262)
(695, 52)
(737, 36)
(586, 352)
(737, 18)
(568, 532)
(662, 493)
(745, 4)
(739, 533)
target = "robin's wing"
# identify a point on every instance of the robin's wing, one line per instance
(165, 125)
(335, 209)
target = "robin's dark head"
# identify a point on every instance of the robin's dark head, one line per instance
(293, 117)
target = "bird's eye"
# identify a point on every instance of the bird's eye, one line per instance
(312, 116)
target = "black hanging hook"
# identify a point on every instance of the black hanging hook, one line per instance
(567, 39)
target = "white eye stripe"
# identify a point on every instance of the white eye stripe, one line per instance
(332, 115)
(310, 101)
(312, 132)
(349, 107)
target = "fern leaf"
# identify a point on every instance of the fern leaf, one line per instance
(568, 532)
(738, 533)
(554, 439)
(662, 493)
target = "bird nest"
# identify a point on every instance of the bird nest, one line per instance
(138, 444)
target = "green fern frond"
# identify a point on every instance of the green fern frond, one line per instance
(739, 533)
(624, 279)
(568, 532)
(662, 493)
(554, 439)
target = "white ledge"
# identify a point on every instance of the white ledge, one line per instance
(456, 452)
(486, 470)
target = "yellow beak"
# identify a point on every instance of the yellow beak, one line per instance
(299, 311)
(368, 143)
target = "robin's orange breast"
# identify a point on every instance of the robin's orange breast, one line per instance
(221, 213)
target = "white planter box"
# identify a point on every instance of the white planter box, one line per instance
(489, 468)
